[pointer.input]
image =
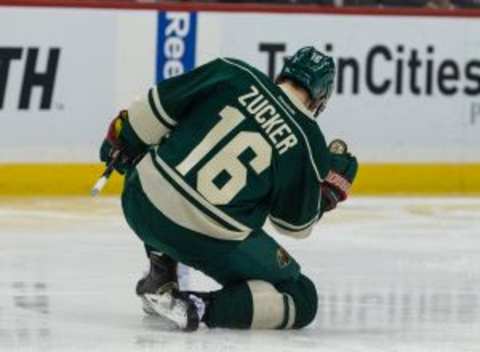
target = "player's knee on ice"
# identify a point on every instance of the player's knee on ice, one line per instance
(257, 304)
(305, 296)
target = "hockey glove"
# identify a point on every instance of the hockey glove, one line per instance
(337, 184)
(115, 145)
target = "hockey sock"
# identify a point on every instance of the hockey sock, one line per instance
(251, 305)
(230, 307)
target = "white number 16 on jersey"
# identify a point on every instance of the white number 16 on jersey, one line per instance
(227, 159)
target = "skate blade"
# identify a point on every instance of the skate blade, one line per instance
(147, 307)
(163, 306)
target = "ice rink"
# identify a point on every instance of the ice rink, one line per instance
(393, 274)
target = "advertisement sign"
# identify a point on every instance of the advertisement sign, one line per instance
(56, 83)
(176, 42)
(407, 89)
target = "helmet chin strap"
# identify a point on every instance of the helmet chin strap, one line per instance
(318, 106)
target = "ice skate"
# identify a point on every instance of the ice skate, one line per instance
(162, 277)
(174, 306)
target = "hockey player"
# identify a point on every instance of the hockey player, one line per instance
(208, 156)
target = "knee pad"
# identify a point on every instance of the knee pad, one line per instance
(271, 309)
(305, 297)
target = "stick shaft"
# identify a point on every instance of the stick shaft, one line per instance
(102, 181)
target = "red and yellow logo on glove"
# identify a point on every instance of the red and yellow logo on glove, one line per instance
(338, 181)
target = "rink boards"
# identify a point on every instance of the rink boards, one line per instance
(407, 96)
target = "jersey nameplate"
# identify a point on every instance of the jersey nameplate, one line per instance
(267, 117)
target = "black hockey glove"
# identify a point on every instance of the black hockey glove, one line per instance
(115, 146)
(337, 184)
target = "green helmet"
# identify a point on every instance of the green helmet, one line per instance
(313, 71)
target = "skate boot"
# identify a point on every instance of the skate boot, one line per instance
(175, 306)
(162, 277)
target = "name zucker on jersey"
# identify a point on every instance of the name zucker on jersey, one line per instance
(265, 114)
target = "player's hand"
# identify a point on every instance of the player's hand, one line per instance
(337, 184)
(114, 147)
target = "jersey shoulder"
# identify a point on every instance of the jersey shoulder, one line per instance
(246, 74)
(214, 72)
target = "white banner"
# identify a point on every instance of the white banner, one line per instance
(62, 72)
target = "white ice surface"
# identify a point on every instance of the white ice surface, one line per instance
(393, 274)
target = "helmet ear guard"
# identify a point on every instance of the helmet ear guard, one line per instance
(314, 72)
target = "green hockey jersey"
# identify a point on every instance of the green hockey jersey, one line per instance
(227, 148)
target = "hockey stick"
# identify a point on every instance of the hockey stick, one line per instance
(102, 181)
